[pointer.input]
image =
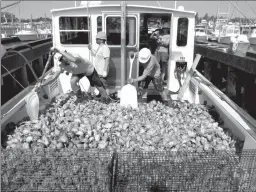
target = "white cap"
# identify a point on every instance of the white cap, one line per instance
(144, 55)
(166, 25)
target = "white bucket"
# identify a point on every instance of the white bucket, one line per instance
(86, 87)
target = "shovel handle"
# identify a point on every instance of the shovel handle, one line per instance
(46, 66)
(131, 63)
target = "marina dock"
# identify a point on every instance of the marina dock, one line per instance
(233, 73)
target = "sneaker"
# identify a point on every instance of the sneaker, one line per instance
(114, 96)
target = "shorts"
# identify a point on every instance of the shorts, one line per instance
(95, 79)
(158, 83)
(162, 57)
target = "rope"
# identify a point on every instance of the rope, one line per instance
(250, 7)
(30, 67)
(17, 52)
(240, 11)
(233, 11)
(13, 77)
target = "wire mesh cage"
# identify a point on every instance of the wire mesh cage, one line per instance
(186, 171)
(64, 170)
(83, 170)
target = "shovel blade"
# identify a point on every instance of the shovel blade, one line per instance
(32, 105)
(128, 96)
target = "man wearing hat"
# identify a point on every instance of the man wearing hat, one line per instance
(79, 68)
(162, 50)
(102, 55)
(151, 71)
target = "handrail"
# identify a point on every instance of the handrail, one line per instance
(225, 98)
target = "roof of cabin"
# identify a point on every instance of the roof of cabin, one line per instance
(119, 5)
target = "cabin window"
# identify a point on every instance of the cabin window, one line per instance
(99, 24)
(114, 31)
(74, 30)
(182, 33)
(230, 31)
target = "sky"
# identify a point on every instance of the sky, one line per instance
(40, 8)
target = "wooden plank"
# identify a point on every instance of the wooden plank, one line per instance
(189, 76)
(238, 60)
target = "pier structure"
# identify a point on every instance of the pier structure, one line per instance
(15, 66)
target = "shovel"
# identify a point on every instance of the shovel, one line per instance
(32, 99)
(128, 94)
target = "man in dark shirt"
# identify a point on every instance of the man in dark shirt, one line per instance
(152, 71)
(79, 68)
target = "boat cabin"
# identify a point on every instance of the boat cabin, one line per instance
(74, 28)
(230, 30)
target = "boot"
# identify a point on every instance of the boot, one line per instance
(79, 96)
(164, 96)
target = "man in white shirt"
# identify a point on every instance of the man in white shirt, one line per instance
(102, 55)
(162, 50)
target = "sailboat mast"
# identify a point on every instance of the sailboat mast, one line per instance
(45, 20)
(19, 17)
(219, 25)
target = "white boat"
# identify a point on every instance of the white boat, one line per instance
(200, 35)
(230, 31)
(45, 33)
(70, 30)
(27, 35)
(252, 38)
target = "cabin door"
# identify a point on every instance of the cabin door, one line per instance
(112, 26)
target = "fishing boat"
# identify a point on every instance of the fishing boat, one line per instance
(252, 38)
(230, 31)
(44, 33)
(200, 34)
(27, 35)
(71, 33)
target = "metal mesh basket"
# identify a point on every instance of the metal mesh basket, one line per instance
(186, 171)
(76, 170)
(81, 170)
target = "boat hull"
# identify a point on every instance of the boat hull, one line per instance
(225, 40)
(252, 40)
(27, 37)
(201, 38)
